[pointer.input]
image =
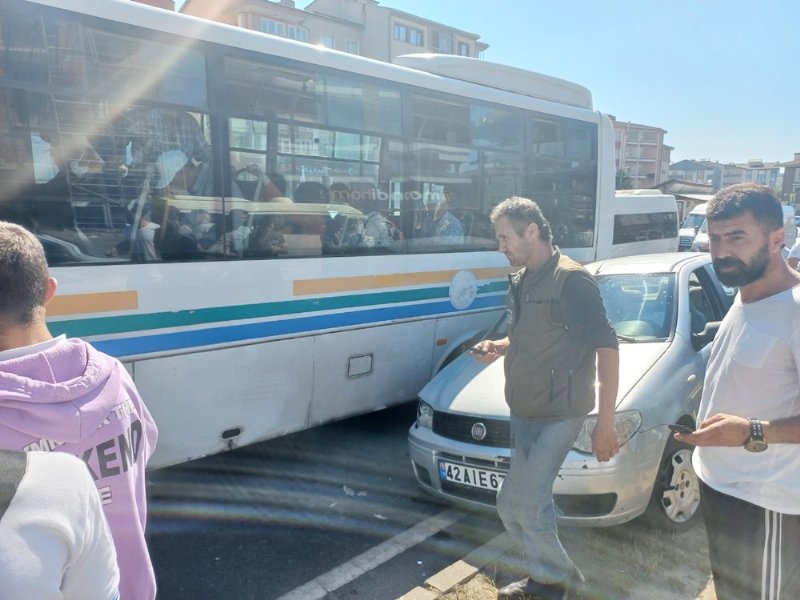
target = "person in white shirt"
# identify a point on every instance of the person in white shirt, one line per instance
(747, 456)
(54, 540)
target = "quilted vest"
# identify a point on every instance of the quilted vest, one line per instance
(549, 374)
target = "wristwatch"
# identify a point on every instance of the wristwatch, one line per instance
(755, 443)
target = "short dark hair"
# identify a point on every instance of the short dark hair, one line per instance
(736, 200)
(23, 274)
(311, 191)
(340, 193)
(522, 212)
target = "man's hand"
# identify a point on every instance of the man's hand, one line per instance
(605, 443)
(488, 351)
(718, 430)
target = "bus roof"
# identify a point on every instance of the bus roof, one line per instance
(487, 75)
(502, 77)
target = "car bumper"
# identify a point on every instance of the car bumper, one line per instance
(587, 493)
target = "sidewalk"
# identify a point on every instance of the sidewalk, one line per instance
(629, 566)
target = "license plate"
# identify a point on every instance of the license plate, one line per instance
(479, 478)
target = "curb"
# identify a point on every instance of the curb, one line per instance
(461, 570)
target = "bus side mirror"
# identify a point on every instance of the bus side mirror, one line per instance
(707, 335)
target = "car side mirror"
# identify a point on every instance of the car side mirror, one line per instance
(707, 335)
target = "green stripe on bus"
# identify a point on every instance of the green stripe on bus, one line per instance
(201, 316)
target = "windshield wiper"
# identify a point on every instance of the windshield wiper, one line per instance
(626, 338)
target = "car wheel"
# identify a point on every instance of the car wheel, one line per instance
(675, 503)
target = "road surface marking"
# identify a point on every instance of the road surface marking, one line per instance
(317, 588)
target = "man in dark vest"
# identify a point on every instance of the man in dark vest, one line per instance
(559, 339)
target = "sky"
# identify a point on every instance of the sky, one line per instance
(720, 77)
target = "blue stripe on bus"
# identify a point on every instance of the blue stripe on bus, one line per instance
(251, 331)
(134, 323)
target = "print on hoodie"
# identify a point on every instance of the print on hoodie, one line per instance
(72, 398)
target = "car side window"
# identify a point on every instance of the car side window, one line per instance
(702, 308)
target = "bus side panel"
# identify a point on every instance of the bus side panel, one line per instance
(454, 331)
(363, 370)
(198, 396)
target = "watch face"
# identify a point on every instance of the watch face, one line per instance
(755, 446)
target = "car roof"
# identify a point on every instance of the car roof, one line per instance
(664, 262)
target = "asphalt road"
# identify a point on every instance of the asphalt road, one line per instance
(333, 512)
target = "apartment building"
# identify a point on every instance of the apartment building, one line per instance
(721, 175)
(765, 173)
(791, 180)
(361, 27)
(641, 153)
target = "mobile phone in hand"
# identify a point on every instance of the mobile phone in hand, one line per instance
(678, 428)
(476, 350)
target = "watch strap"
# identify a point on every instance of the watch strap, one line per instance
(756, 430)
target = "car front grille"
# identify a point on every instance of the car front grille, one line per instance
(685, 242)
(460, 427)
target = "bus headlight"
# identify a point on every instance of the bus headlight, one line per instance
(425, 415)
(627, 423)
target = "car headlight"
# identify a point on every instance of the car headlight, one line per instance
(627, 423)
(425, 415)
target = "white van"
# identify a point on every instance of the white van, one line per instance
(691, 226)
(645, 221)
(700, 243)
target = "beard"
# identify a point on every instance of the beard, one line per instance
(742, 273)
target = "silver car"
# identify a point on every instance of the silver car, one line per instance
(665, 309)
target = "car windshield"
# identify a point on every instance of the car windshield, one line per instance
(704, 226)
(692, 220)
(639, 306)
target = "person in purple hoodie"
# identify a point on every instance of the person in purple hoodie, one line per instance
(60, 394)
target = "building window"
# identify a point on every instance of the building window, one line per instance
(463, 49)
(282, 29)
(328, 40)
(352, 46)
(297, 33)
(442, 42)
(273, 27)
(408, 35)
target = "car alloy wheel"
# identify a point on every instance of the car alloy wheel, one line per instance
(676, 494)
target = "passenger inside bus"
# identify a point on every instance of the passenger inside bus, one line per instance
(237, 236)
(311, 192)
(175, 243)
(266, 239)
(181, 175)
(439, 224)
(258, 186)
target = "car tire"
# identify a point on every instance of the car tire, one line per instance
(675, 502)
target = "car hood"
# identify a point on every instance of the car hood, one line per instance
(466, 386)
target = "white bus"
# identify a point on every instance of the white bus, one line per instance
(645, 221)
(157, 156)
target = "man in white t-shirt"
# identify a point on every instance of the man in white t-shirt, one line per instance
(747, 455)
(54, 539)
